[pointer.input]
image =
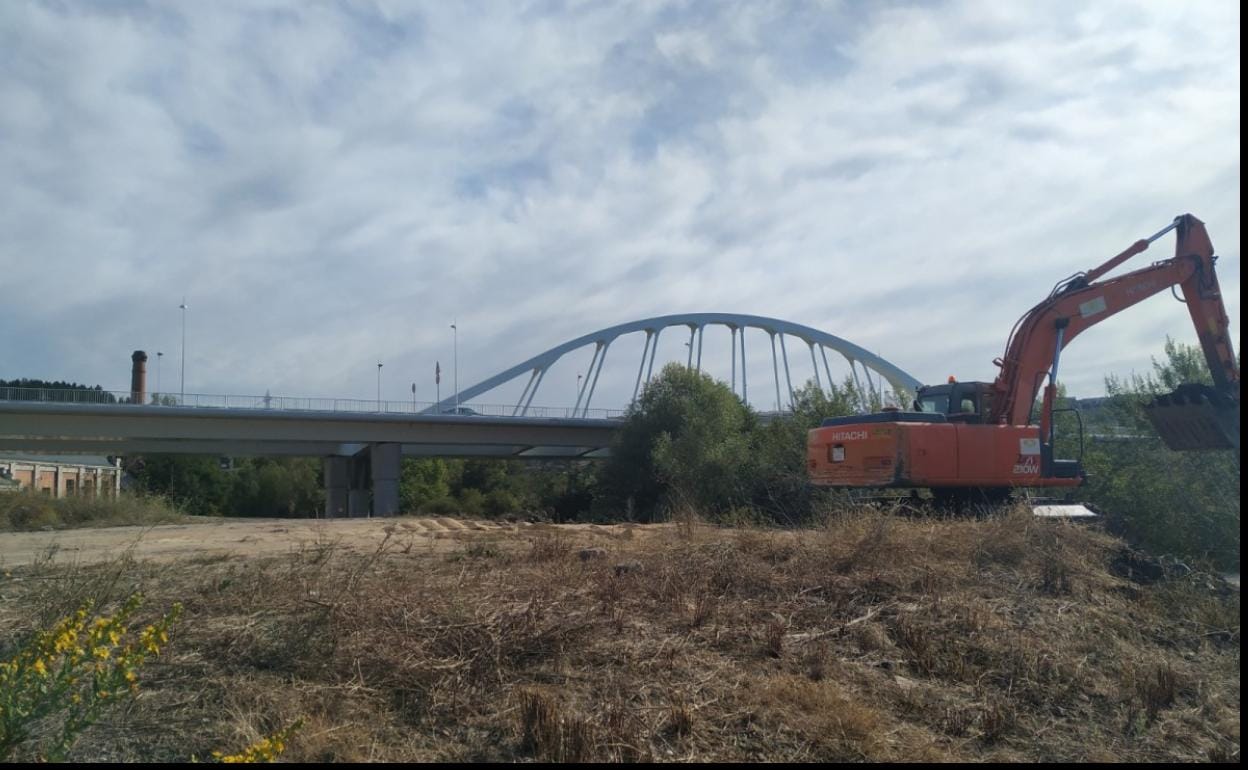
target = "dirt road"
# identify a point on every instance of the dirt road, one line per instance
(251, 537)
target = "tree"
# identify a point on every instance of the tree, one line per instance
(686, 441)
(25, 389)
(275, 486)
(423, 481)
(195, 483)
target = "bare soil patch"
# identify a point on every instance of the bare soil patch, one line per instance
(252, 537)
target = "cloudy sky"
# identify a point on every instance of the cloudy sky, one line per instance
(331, 184)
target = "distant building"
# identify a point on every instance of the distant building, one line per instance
(62, 475)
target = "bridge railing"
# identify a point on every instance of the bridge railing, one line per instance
(288, 403)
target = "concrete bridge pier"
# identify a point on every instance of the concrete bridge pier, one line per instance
(337, 485)
(351, 483)
(358, 492)
(386, 461)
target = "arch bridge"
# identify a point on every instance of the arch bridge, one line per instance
(862, 363)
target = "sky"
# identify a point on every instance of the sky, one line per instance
(331, 185)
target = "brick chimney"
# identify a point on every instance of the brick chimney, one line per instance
(138, 378)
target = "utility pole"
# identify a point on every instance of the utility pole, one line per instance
(182, 387)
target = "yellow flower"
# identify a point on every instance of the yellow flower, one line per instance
(41, 669)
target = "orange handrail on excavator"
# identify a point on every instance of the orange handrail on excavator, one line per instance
(977, 440)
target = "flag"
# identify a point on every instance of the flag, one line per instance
(437, 373)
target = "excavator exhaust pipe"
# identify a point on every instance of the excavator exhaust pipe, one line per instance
(1196, 417)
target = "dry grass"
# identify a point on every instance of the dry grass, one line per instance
(29, 511)
(873, 638)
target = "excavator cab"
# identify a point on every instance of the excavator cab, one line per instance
(966, 402)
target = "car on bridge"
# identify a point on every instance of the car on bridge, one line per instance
(462, 411)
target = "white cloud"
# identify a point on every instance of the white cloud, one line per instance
(333, 184)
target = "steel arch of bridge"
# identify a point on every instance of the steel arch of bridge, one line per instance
(537, 366)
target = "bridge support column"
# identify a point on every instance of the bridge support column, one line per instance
(337, 482)
(358, 494)
(386, 460)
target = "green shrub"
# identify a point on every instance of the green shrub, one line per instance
(442, 506)
(500, 502)
(1183, 504)
(30, 511)
(471, 502)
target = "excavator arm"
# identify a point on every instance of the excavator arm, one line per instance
(1194, 417)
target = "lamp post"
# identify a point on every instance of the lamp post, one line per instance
(413, 398)
(455, 364)
(159, 356)
(182, 386)
(379, 386)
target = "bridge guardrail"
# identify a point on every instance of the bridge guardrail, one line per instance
(96, 397)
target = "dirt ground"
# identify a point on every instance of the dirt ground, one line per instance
(260, 537)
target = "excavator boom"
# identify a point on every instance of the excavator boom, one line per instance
(1193, 417)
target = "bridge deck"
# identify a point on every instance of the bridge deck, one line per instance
(126, 428)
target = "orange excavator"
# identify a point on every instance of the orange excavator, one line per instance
(973, 442)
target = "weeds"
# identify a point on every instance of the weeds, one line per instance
(919, 639)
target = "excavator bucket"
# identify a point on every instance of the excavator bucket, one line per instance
(1195, 417)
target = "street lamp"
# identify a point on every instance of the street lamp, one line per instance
(578, 383)
(379, 386)
(455, 364)
(182, 386)
(159, 356)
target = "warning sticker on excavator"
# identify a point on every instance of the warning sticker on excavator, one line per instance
(1092, 307)
(1029, 446)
